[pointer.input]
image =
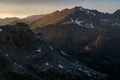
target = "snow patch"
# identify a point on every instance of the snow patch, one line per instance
(39, 49)
(81, 9)
(78, 22)
(88, 73)
(7, 55)
(20, 66)
(85, 71)
(15, 63)
(89, 12)
(1, 30)
(80, 69)
(106, 20)
(39, 37)
(93, 13)
(72, 20)
(64, 53)
(60, 66)
(47, 64)
(50, 47)
(91, 25)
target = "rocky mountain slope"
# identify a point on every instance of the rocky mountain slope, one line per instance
(27, 56)
(77, 15)
(79, 30)
(72, 44)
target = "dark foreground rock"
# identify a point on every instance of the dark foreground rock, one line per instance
(27, 56)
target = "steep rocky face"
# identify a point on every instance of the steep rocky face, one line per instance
(84, 17)
(68, 37)
(110, 19)
(27, 56)
(78, 15)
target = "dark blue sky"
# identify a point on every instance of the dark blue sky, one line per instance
(22, 8)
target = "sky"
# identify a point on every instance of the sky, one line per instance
(23, 8)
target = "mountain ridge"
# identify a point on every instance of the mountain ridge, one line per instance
(67, 12)
(80, 28)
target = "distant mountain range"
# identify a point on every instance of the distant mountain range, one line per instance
(7, 20)
(14, 20)
(71, 44)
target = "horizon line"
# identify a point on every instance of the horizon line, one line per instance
(24, 16)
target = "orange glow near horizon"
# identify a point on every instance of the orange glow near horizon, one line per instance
(4, 15)
(8, 9)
